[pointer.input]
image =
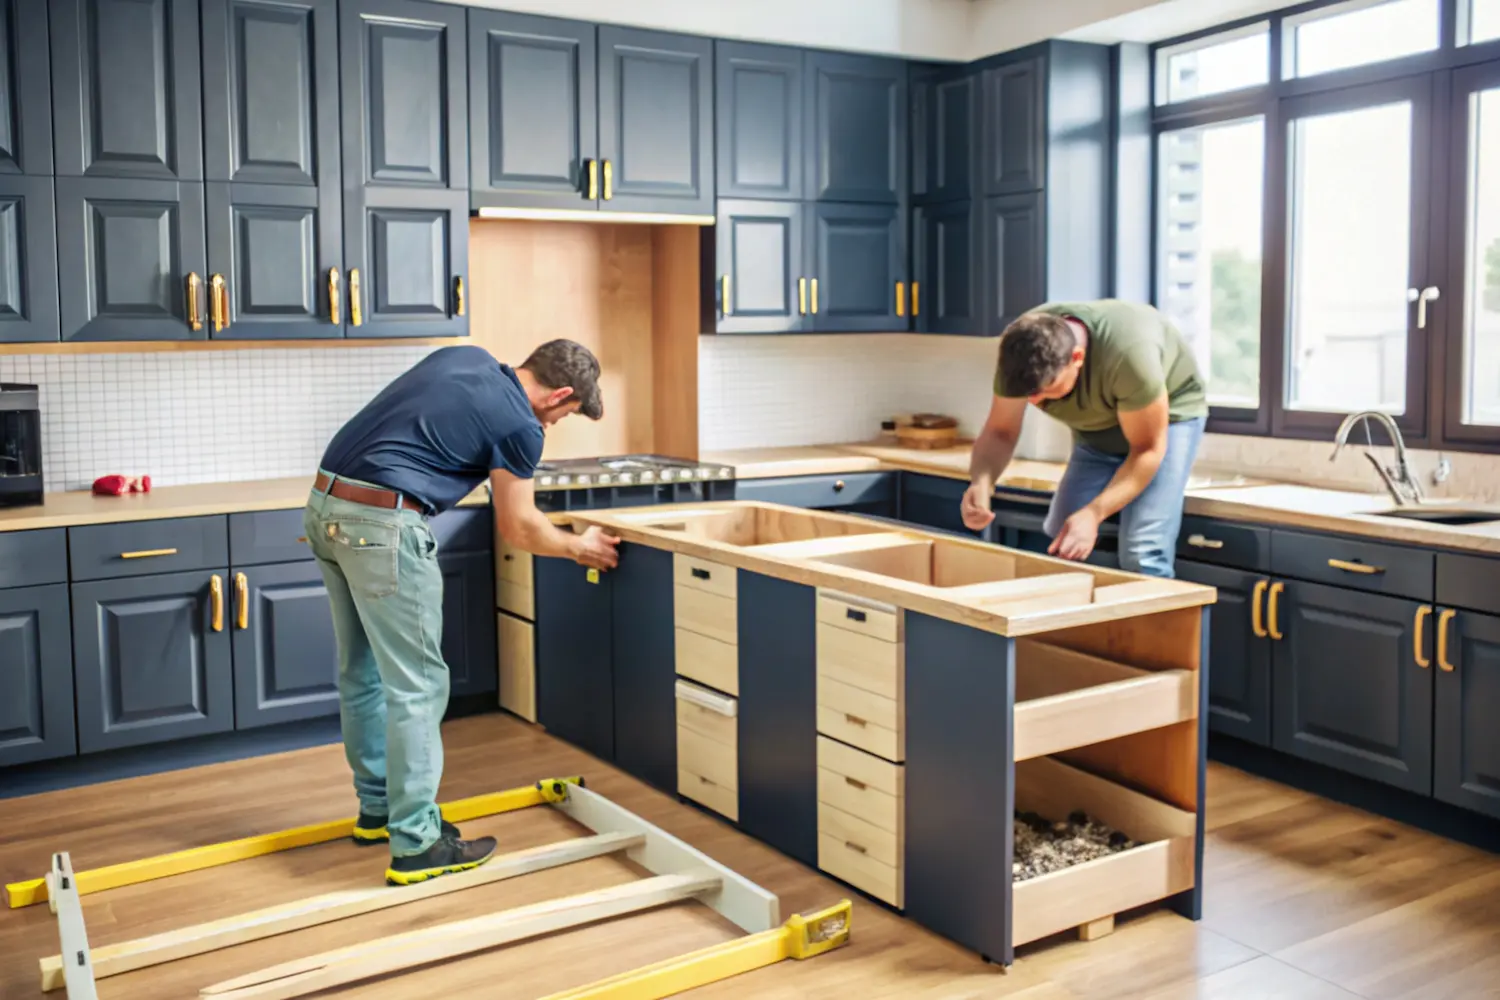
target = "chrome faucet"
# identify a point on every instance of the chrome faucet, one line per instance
(1399, 481)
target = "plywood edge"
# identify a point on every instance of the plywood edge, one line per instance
(834, 545)
(1059, 901)
(1102, 712)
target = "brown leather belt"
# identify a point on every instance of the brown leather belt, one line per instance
(368, 495)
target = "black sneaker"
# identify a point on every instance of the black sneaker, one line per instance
(449, 854)
(370, 830)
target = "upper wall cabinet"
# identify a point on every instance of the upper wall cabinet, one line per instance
(28, 260)
(569, 115)
(857, 114)
(945, 134)
(759, 121)
(25, 89)
(1015, 139)
(126, 88)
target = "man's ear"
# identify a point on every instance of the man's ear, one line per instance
(1077, 356)
(559, 396)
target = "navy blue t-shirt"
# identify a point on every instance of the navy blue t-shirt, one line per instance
(437, 431)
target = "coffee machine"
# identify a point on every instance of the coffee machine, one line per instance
(20, 445)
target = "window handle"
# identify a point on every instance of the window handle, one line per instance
(1421, 298)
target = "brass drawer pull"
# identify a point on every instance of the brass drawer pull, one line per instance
(459, 283)
(593, 180)
(218, 302)
(1257, 622)
(507, 557)
(855, 783)
(148, 553)
(854, 614)
(356, 307)
(838, 486)
(855, 847)
(193, 281)
(242, 601)
(901, 298)
(1445, 617)
(302, 539)
(1416, 637)
(701, 574)
(724, 294)
(801, 296)
(1276, 589)
(1355, 567)
(1203, 542)
(855, 720)
(916, 291)
(333, 296)
(216, 591)
(815, 296)
(609, 180)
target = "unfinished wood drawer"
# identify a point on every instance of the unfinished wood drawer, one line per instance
(513, 581)
(705, 613)
(700, 574)
(857, 614)
(1161, 866)
(709, 758)
(709, 661)
(708, 713)
(863, 719)
(842, 859)
(882, 846)
(706, 792)
(862, 661)
(517, 647)
(862, 785)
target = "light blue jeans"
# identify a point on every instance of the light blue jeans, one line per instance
(386, 591)
(1149, 524)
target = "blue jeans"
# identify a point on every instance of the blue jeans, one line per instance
(386, 591)
(1149, 524)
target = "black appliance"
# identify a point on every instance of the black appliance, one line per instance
(629, 481)
(20, 445)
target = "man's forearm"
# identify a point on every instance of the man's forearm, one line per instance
(533, 532)
(1129, 481)
(991, 454)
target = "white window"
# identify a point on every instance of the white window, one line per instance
(1217, 64)
(1357, 34)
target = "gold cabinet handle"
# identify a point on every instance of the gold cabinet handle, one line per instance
(302, 539)
(801, 296)
(333, 295)
(193, 281)
(855, 783)
(216, 590)
(1257, 623)
(1416, 637)
(218, 296)
(1276, 589)
(857, 849)
(1445, 618)
(593, 170)
(356, 313)
(855, 720)
(815, 296)
(900, 298)
(241, 601)
(916, 299)
(1204, 542)
(1355, 567)
(724, 294)
(609, 180)
(459, 283)
(147, 553)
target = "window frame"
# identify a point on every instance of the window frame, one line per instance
(1431, 366)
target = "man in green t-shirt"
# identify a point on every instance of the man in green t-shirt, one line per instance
(1119, 375)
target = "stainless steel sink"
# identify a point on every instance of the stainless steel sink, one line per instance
(1439, 514)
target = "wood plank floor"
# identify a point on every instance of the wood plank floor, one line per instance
(1307, 899)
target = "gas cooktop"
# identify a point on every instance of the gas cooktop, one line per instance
(627, 470)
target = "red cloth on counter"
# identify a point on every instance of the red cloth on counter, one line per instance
(114, 486)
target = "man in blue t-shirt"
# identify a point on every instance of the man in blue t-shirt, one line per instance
(455, 419)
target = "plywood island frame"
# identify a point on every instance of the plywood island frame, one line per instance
(957, 683)
(678, 873)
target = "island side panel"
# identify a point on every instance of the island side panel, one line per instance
(1190, 903)
(960, 782)
(574, 661)
(778, 714)
(645, 672)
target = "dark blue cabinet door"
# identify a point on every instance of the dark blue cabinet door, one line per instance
(25, 89)
(762, 285)
(778, 720)
(533, 122)
(1239, 685)
(574, 661)
(469, 622)
(858, 258)
(28, 260)
(759, 121)
(945, 291)
(1347, 688)
(410, 249)
(149, 664)
(1014, 258)
(1014, 128)
(933, 502)
(126, 89)
(135, 258)
(286, 661)
(656, 106)
(857, 123)
(945, 135)
(36, 675)
(1466, 771)
(644, 634)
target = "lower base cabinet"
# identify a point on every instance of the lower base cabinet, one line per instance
(36, 675)
(1239, 678)
(642, 627)
(286, 658)
(575, 675)
(1466, 746)
(468, 622)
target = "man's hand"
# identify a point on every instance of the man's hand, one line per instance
(1076, 539)
(975, 507)
(597, 550)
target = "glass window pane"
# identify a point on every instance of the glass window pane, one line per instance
(1350, 248)
(1482, 311)
(1484, 20)
(1363, 34)
(1208, 235)
(1214, 65)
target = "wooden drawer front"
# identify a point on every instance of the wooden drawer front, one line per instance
(517, 646)
(708, 661)
(1471, 582)
(515, 598)
(718, 762)
(861, 661)
(33, 558)
(871, 618)
(820, 491)
(512, 565)
(861, 836)
(262, 537)
(143, 548)
(707, 614)
(709, 577)
(708, 713)
(863, 872)
(872, 772)
(860, 800)
(1242, 546)
(724, 801)
(1382, 569)
(858, 717)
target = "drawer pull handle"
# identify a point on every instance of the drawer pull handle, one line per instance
(216, 593)
(507, 557)
(1204, 542)
(1257, 622)
(1416, 637)
(700, 574)
(1275, 620)
(855, 847)
(704, 780)
(708, 700)
(855, 783)
(1445, 617)
(242, 601)
(148, 553)
(858, 616)
(1355, 567)
(855, 720)
(302, 539)
(838, 485)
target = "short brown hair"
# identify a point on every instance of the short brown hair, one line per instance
(560, 364)
(1033, 349)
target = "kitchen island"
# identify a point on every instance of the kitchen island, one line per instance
(883, 702)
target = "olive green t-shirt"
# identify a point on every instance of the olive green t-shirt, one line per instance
(1133, 354)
